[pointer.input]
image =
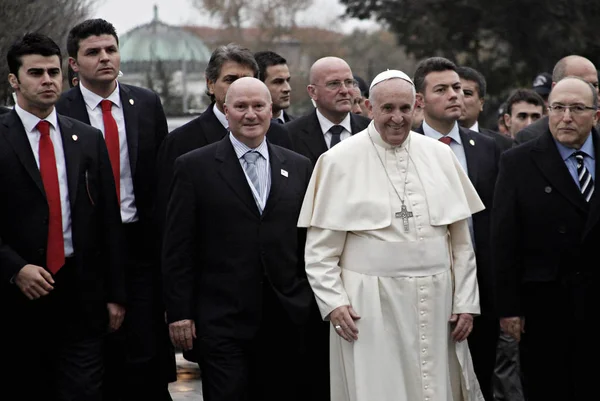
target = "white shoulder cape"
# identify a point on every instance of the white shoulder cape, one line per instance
(349, 190)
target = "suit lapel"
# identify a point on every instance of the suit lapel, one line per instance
(232, 172)
(548, 159)
(131, 114)
(77, 107)
(353, 125)
(211, 126)
(313, 136)
(470, 146)
(17, 137)
(594, 204)
(277, 163)
(72, 156)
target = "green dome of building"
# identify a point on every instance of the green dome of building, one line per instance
(156, 41)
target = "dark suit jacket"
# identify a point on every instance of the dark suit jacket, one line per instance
(4, 110)
(542, 228)
(201, 131)
(482, 163)
(287, 118)
(219, 251)
(145, 126)
(309, 140)
(532, 131)
(503, 142)
(95, 214)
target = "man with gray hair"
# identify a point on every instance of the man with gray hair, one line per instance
(573, 65)
(392, 266)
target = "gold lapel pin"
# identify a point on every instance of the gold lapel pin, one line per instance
(131, 102)
(75, 137)
(472, 142)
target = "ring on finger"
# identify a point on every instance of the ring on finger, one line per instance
(337, 327)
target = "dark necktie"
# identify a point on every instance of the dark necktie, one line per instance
(276, 121)
(111, 137)
(336, 132)
(446, 139)
(55, 252)
(586, 183)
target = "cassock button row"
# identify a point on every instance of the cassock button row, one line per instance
(426, 387)
(422, 313)
(424, 350)
(422, 337)
(425, 375)
(421, 288)
(422, 300)
(422, 326)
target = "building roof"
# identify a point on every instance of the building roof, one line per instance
(158, 41)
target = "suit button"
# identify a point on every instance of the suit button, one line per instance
(41, 251)
(562, 229)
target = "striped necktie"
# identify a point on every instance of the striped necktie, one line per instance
(250, 166)
(586, 182)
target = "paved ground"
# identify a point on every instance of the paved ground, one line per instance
(188, 386)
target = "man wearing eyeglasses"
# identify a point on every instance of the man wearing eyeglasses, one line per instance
(572, 65)
(545, 234)
(331, 86)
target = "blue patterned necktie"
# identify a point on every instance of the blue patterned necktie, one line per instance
(250, 167)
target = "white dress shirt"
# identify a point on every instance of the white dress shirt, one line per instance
(475, 127)
(94, 109)
(326, 125)
(220, 116)
(33, 135)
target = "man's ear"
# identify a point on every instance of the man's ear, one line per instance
(419, 100)
(73, 64)
(507, 120)
(481, 103)
(13, 81)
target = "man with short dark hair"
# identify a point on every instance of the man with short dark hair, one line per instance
(545, 236)
(474, 89)
(572, 65)
(62, 283)
(227, 64)
(139, 358)
(439, 91)
(331, 85)
(523, 107)
(274, 72)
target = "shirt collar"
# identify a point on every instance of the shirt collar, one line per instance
(93, 100)
(220, 116)
(326, 124)
(30, 121)
(475, 127)
(587, 148)
(432, 133)
(241, 148)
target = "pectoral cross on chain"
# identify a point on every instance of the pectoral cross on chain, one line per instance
(404, 214)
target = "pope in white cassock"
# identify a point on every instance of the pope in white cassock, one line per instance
(390, 260)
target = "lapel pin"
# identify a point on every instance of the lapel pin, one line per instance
(284, 173)
(75, 137)
(472, 142)
(131, 102)
(548, 189)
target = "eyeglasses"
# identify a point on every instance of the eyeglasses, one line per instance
(336, 85)
(573, 108)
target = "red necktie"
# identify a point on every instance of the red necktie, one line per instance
(55, 252)
(111, 137)
(446, 140)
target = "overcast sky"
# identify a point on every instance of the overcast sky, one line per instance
(127, 14)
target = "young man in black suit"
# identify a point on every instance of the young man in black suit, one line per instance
(226, 64)
(274, 72)
(140, 359)
(545, 236)
(439, 91)
(235, 286)
(331, 85)
(62, 281)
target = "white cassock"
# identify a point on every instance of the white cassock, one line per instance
(404, 285)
